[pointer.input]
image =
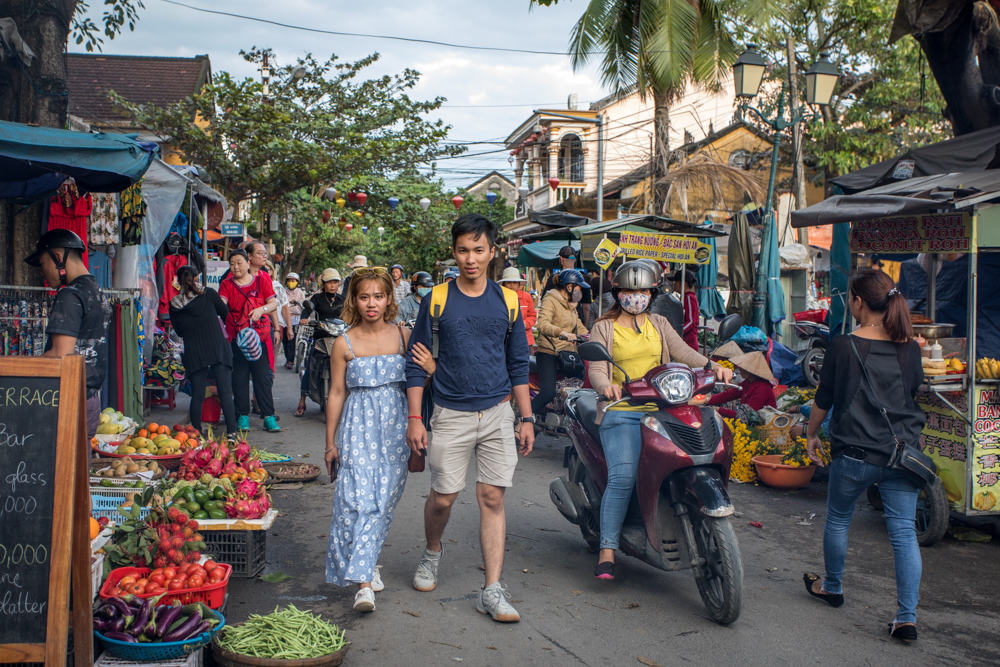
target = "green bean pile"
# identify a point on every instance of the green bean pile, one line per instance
(267, 457)
(285, 635)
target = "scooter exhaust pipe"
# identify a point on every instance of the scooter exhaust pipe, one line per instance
(563, 500)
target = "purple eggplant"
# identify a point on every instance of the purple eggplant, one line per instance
(204, 626)
(120, 605)
(138, 625)
(120, 636)
(102, 624)
(149, 634)
(165, 618)
(118, 624)
(108, 611)
(183, 631)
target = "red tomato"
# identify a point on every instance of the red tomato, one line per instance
(181, 578)
(197, 572)
(217, 573)
(209, 565)
(143, 582)
(195, 582)
(175, 584)
(127, 580)
(115, 592)
(184, 567)
(158, 570)
(169, 573)
(155, 589)
(157, 579)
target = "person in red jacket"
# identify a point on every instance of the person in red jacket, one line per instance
(512, 280)
(691, 310)
(757, 389)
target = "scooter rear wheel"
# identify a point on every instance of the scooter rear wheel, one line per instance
(721, 577)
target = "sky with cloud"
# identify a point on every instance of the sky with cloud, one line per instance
(489, 93)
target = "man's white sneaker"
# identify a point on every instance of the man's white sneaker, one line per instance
(364, 600)
(493, 601)
(426, 577)
(376, 582)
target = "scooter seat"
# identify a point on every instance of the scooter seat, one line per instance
(586, 410)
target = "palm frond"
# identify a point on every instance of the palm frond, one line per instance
(716, 51)
(672, 42)
(703, 172)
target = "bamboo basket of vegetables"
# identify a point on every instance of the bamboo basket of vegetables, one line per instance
(286, 638)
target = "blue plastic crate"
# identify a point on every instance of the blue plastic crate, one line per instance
(153, 651)
(107, 506)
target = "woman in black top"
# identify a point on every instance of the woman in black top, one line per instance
(195, 314)
(328, 304)
(860, 439)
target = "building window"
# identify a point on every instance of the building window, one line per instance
(739, 159)
(571, 159)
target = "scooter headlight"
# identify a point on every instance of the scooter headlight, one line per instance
(675, 386)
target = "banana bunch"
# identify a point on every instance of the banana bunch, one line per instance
(988, 369)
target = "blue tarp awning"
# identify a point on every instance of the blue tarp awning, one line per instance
(35, 160)
(543, 254)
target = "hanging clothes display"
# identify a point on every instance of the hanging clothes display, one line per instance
(104, 225)
(132, 211)
(69, 210)
(164, 370)
(171, 288)
(100, 268)
(129, 361)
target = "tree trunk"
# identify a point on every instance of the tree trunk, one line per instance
(661, 128)
(34, 95)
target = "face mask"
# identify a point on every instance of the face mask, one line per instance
(292, 284)
(576, 296)
(424, 291)
(633, 302)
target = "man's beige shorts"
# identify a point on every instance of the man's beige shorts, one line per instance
(456, 435)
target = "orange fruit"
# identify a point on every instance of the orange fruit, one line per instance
(153, 426)
(181, 437)
(164, 429)
(143, 433)
(95, 528)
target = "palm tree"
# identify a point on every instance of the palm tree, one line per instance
(656, 47)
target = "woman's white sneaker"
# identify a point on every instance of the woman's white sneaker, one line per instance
(364, 600)
(377, 584)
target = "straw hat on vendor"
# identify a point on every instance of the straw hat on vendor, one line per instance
(753, 364)
(756, 391)
(728, 351)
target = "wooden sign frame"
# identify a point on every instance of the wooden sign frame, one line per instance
(70, 557)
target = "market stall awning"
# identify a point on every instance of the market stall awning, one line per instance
(644, 223)
(543, 254)
(943, 192)
(35, 160)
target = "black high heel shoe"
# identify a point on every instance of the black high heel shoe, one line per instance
(833, 599)
(905, 633)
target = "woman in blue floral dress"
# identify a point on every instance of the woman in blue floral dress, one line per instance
(366, 433)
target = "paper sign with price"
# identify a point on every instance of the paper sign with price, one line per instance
(665, 248)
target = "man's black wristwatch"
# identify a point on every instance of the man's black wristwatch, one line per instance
(530, 420)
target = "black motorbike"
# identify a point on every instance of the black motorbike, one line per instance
(810, 358)
(324, 334)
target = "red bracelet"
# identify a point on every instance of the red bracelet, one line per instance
(415, 417)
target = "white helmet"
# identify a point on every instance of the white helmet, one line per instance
(637, 274)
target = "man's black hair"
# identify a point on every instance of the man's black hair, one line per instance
(475, 224)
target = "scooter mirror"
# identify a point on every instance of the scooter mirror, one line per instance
(729, 326)
(307, 309)
(594, 351)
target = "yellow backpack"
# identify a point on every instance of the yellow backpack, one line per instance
(439, 297)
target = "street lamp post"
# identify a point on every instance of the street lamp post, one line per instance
(748, 75)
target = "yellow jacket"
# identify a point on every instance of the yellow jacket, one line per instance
(557, 316)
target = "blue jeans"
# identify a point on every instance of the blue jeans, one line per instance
(807, 413)
(622, 442)
(849, 478)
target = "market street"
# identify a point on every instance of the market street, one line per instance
(568, 618)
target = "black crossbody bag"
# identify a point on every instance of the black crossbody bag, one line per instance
(906, 458)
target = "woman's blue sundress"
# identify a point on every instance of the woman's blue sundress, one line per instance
(373, 455)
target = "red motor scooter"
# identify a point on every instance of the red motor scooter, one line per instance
(678, 517)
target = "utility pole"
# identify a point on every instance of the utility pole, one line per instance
(799, 169)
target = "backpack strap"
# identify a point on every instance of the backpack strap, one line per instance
(439, 297)
(513, 307)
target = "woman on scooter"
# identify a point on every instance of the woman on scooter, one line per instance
(559, 326)
(328, 305)
(870, 381)
(638, 341)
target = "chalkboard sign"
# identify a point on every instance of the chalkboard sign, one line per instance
(44, 508)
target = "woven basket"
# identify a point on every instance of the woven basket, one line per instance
(227, 659)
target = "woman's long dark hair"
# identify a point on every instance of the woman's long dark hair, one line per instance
(881, 295)
(186, 276)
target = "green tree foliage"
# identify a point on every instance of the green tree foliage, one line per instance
(886, 101)
(116, 15)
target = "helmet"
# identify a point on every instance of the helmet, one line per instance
(396, 266)
(451, 273)
(636, 274)
(421, 279)
(570, 277)
(292, 276)
(328, 275)
(56, 238)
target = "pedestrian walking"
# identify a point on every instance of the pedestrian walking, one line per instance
(559, 327)
(420, 286)
(477, 339)
(401, 288)
(195, 314)
(251, 301)
(296, 298)
(328, 304)
(514, 281)
(365, 434)
(691, 310)
(283, 314)
(79, 316)
(870, 380)
(359, 262)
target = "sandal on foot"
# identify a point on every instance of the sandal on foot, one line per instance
(833, 599)
(605, 570)
(299, 411)
(906, 632)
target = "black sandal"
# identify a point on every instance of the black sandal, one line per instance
(605, 571)
(905, 633)
(833, 599)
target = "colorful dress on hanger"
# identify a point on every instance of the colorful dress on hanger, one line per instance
(69, 210)
(104, 229)
(133, 211)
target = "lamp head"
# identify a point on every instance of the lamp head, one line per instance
(748, 72)
(821, 79)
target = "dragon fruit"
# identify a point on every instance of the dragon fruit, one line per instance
(202, 457)
(214, 468)
(247, 488)
(222, 453)
(241, 452)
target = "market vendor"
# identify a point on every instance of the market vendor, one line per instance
(757, 389)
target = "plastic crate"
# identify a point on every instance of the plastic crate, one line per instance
(213, 595)
(244, 550)
(122, 493)
(193, 660)
(146, 653)
(107, 506)
(96, 572)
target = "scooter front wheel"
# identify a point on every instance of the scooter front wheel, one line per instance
(720, 577)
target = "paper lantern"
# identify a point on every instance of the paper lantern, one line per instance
(326, 216)
(342, 223)
(364, 229)
(456, 201)
(553, 182)
(362, 198)
(330, 194)
(359, 213)
(425, 204)
(393, 202)
(491, 198)
(351, 196)
(348, 226)
(340, 202)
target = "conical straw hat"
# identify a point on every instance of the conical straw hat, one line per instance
(728, 351)
(754, 362)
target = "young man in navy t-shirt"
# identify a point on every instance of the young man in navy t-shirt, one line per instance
(481, 363)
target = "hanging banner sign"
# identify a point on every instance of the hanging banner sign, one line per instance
(665, 248)
(605, 253)
(932, 232)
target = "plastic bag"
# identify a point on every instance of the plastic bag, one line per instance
(249, 343)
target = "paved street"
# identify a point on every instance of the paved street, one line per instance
(645, 616)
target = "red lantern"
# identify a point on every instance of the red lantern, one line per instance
(457, 201)
(362, 198)
(348, 226)
(351, 196)
(553, 182)
(326, 216)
